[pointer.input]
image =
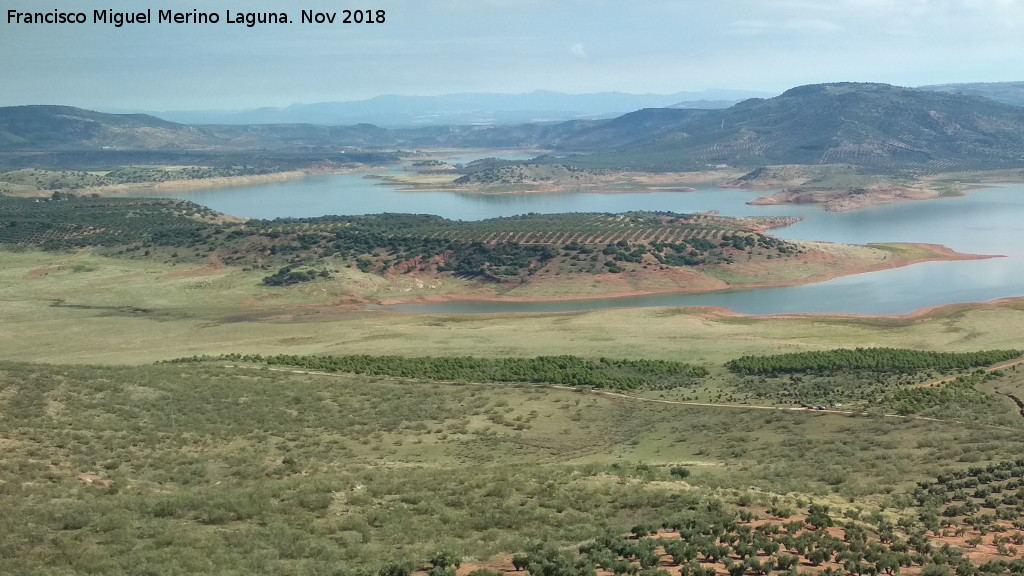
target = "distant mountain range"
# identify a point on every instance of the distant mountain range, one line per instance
(394, 111)
(874, 126)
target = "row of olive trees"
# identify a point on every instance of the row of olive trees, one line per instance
(711, 539)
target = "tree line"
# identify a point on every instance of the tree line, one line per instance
(891, 360)
(564, 369)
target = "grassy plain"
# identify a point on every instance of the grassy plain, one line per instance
(87, 308)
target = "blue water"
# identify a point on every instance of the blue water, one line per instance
(350, 194)
(984, 222)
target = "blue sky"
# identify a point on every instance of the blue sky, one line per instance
(443, 46)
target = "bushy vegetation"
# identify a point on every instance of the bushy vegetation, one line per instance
(288, 276)
(940, 399)
(842, 389)
(905, 382)
(505, 172)
(501, 249)
(710, 539)
(704, 542)
(124, 470)
(890, 360)
(568, 370)
(515, 247)
(115, 470)
(66, 222)
(34, 179)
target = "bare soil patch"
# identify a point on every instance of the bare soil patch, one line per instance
(39, 273)
(93, 479)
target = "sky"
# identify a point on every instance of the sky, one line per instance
(429, 47)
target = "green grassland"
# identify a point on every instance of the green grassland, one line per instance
(127, 470)
(82, 307)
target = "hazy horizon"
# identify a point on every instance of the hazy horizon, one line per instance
(709, 94)
(503, 47)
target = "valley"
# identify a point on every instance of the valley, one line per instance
(778, 337)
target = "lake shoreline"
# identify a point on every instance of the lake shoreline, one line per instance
(934, 253)
(845, 203)
(925, 314)
(184, 186)
(598, 182)
(604, 183)
(921, 314)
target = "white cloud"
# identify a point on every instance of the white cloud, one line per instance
(578, 50)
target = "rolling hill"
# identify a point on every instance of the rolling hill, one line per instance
(875, 127)
(26, 128)
(64, 137)
(61, 127)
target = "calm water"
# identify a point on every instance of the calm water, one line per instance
(985, 222)
(349, 194)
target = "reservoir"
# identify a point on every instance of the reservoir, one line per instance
(987, 221)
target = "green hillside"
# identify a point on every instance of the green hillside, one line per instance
(500, 249)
